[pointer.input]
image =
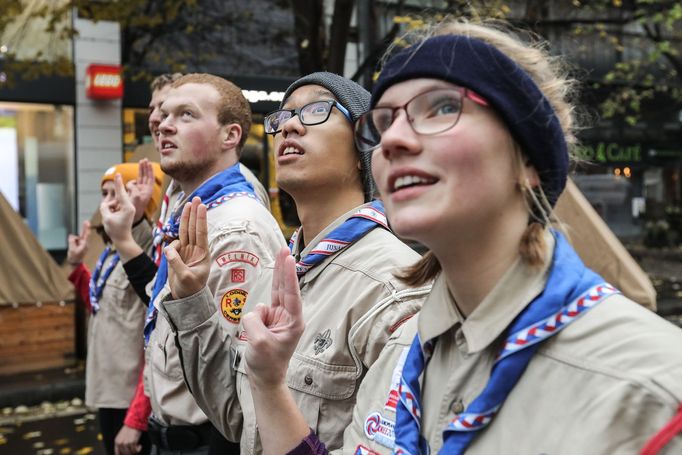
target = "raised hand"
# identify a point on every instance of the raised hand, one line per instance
(78, 245)
(188, 257)
(141, 190)
(273, 331)
(118, 214)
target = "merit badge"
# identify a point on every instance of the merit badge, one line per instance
(362, 450)
(237, 256)
(232, 304)
(322, 341)
(380, 429)
(238, 275)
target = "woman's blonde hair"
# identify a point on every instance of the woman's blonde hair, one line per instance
(551, 76)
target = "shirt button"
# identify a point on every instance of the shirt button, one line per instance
(457, 406)
(308, 380)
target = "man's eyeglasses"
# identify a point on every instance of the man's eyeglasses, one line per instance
(311, 114)
(429, 113)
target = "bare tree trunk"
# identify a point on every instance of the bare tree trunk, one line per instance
(308, 28)
(338, 36)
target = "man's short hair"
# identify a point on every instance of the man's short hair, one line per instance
(163, 80)
(232, 106)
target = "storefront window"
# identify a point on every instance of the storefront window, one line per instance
(36, 168)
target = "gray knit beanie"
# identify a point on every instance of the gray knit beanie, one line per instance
(353, 97)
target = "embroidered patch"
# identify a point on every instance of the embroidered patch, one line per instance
(394, 395)
(232, 304)
(380, 429)
(322, 341)
(237, 256)
(362, 450)
(238, 275)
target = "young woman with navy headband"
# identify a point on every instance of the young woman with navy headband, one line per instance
(519, 348)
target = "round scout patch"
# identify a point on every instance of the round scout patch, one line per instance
(232, 304)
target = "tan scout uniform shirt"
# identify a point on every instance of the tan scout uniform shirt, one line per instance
(243, 241)
(604, 385)
(115, 342)
(351, 305)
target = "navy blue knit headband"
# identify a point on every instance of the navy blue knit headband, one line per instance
(474, 64)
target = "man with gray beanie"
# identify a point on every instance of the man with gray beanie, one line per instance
(346, 258)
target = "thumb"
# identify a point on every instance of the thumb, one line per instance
(254, 325)
(173, 258)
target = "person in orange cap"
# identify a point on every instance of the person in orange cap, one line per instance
(115, 345)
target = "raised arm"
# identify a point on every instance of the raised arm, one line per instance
(273, 333)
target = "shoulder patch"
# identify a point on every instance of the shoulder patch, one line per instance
(238, 275)
(232, 304)
(237, 256)
(380, 429)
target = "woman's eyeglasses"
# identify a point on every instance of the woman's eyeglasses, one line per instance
(311, 114)
(429, 113)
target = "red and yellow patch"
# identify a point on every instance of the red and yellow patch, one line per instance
(232, 304)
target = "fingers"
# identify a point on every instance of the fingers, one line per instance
(184, 224)
(121, 191)
(278, 277)
(85, 231)
(192, 227)
(292, 293)
(202, 226)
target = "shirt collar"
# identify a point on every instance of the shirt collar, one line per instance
(519, 285)
(310, 245)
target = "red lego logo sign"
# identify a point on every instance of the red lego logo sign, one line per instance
(103, 82)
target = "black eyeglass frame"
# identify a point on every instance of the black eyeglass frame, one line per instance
(297, 111)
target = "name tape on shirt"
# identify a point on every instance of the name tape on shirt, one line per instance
(232, 304)
(237, 256)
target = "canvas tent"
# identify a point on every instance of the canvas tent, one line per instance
(36, 301)
(600, 249)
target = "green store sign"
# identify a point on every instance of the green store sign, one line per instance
(610, 152)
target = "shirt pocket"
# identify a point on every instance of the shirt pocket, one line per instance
(325, 395)
(164, 357)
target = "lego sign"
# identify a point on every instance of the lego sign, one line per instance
(103, 82)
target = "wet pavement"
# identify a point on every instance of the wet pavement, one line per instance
(61, 428)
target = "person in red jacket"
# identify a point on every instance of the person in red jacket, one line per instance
(115, 343)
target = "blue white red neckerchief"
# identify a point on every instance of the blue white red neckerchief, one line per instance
(157, 234)
(220, 188)
(365, 219)
(99, 279)
(570, 291)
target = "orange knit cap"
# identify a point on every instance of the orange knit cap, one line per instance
(129, 173)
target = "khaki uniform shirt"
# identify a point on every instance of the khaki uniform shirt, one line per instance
(604, 385)
(243, 242)
(115, 342)
(352, 303)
